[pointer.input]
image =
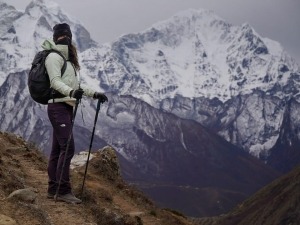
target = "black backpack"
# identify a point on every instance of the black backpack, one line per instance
(38, 79)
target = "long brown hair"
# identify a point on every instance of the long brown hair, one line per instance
(73, 56)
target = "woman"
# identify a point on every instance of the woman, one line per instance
(60, 109)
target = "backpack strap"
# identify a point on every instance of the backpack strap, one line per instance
(63, 70)
(64, 67)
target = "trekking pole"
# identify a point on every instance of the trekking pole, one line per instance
(92, 138)
(67, 148)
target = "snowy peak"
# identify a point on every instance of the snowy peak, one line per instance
(186, 24)
(190, 19)
(22, 33)
(44, 6)
(48, 13)
(7, 15)
(251, 41)
(197, 54)
(40, 16)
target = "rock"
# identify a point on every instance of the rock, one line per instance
(107, 163)
(25, 195)
(80, 159)
(5, 220)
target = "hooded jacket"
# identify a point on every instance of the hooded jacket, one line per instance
(68, 81)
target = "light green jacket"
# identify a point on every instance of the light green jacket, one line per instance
(69, 81)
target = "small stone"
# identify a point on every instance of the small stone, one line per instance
(26, 195)
(5, 220)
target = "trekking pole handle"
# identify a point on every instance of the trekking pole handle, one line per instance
(98, 105)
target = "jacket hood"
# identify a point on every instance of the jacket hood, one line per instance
(49, 44)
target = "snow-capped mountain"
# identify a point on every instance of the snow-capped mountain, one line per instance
(196, 56)
(192, 71)
(23, 32)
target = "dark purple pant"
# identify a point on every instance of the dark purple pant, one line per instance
(60, 115)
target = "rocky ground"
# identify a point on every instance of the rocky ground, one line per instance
(107, 199)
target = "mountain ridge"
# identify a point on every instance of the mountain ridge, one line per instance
(276, 203)
(243, 47)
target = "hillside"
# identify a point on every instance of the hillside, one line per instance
(276, 203)
(107, 199)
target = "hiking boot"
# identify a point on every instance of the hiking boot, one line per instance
(69, 198)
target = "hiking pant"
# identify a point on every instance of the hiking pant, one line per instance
(60, 116)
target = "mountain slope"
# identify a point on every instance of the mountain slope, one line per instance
(158, 147)
(182, 153)
(287, 145)
(197, 57)
(107, 199)
(277, 203)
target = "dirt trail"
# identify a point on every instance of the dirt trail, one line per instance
(54, 213)
(107, 199)
(60, 213)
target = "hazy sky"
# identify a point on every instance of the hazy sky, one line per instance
(107, 20)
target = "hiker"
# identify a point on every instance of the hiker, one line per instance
(60, 109)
